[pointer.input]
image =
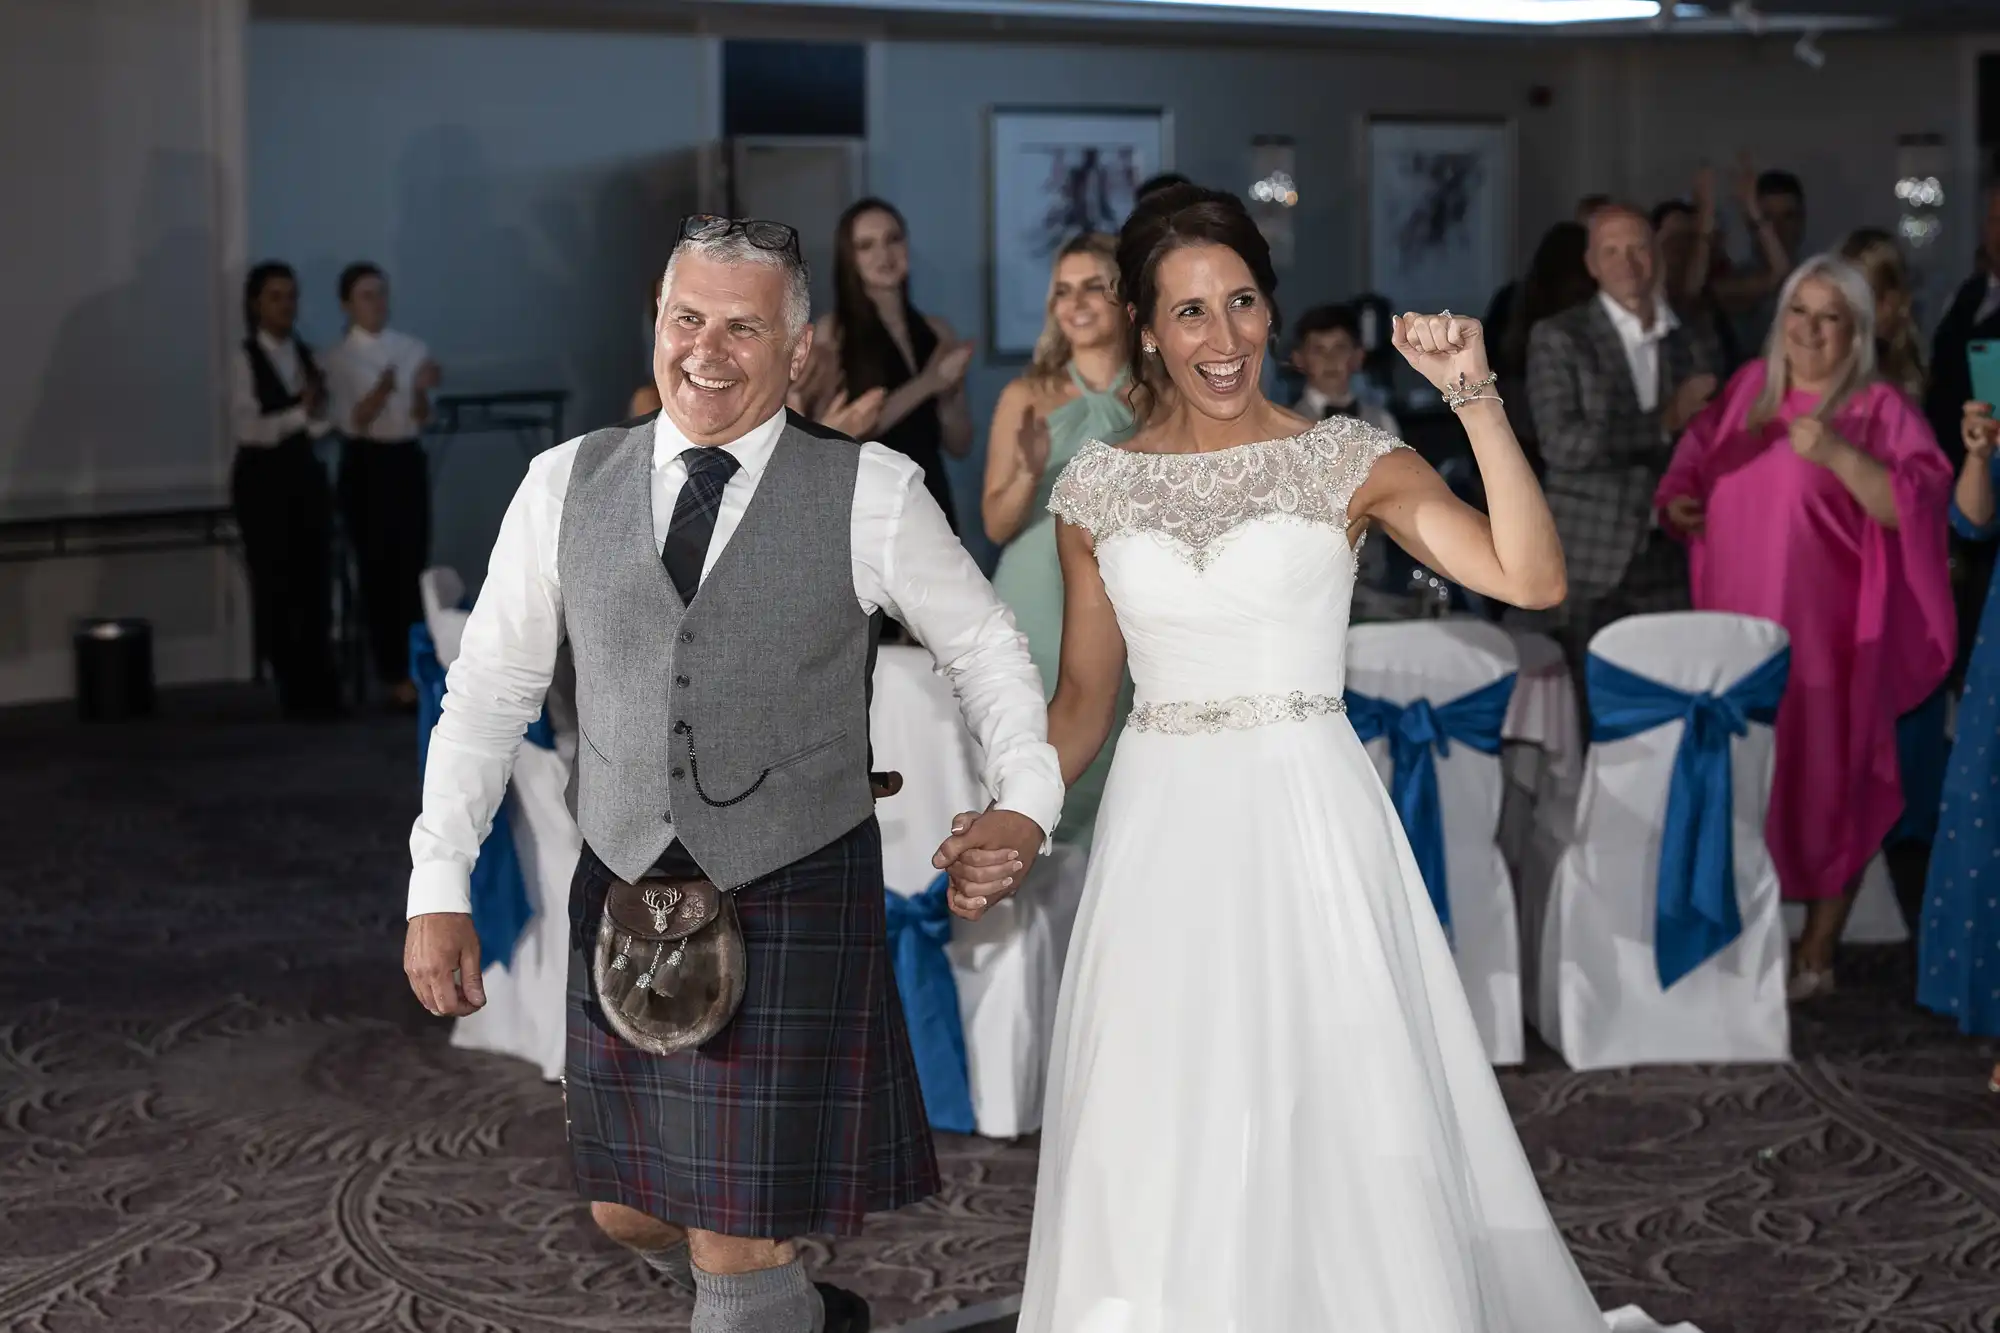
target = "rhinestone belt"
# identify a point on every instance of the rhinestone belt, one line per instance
(1194, 717)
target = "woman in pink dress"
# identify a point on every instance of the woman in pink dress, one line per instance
(1813, 494)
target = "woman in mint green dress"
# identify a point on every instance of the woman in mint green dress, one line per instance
(1074, 392)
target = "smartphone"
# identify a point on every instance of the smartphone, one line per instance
(1984, 359)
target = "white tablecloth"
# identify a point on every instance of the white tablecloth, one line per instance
(1008, 964)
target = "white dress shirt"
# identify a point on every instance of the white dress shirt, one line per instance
(906, 561)
(1642, 345)
(354, 366)
(1314, 404)
(247, 417)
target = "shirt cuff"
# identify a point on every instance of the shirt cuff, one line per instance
(440, 886)
(1036, 798)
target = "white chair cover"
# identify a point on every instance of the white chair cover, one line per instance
(523, 1015)
(1008, 965)
(441, 590)
(1440, 661)
(1601, 1004)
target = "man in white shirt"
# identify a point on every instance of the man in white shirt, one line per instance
(379, 381)
(720, 573)
(1611, 383)
(284, 509)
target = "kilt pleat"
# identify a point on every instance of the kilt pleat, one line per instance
(799, 1117)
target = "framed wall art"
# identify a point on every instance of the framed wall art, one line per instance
(1054, 172)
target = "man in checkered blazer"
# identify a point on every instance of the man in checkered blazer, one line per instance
(721, 571)
(1611, 382)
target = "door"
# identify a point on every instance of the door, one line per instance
(804, 182)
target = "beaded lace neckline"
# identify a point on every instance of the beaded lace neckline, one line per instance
(1194, 500)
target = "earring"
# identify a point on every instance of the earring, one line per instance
(1151, 350)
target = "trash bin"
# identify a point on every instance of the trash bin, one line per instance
(114, 669)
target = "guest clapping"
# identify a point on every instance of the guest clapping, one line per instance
(380, 381)
(1813, 493)
(284, 508)
(1073, 392)
(877, 339)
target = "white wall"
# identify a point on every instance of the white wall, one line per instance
(120, 133)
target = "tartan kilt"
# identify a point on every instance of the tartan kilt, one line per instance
(800, 1116)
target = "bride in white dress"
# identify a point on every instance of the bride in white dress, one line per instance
(1268, 1108)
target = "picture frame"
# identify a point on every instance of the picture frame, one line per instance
(1053, 172)
(1441, 194)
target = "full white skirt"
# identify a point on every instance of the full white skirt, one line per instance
(1268, 1106)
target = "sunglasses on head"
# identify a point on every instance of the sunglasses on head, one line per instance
(775, 236)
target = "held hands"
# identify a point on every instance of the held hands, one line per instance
(441, 959)
(1446, 349)
(988, 856)
(1979, 430)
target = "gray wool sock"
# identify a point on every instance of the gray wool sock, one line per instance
(673, 1264)
(771, 1300)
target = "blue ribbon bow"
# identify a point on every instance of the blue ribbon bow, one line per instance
(1696, 912)
(501, 909)
(919, 927)
(1417, 732)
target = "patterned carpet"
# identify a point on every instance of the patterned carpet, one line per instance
(220, 1109)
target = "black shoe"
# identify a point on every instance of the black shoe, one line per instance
(845, 1311)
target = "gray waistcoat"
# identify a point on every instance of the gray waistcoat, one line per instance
(740, 723)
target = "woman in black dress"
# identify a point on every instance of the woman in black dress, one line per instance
(876, 339)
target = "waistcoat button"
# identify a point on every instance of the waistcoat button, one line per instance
(682, 682)
(678, 774)
(680, 728)
(687, 636)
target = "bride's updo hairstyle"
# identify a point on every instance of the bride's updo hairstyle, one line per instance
(1177, 216)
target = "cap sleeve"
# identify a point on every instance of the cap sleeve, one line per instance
(1082, 493)
(1349, 450)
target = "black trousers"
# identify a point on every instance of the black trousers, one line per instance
(284, 510)
(385, 500)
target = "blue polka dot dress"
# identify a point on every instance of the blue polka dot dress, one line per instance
(1959, 947)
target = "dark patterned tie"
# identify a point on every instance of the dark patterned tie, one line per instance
(709, 470)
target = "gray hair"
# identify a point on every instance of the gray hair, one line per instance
(1857, 374)
(739, 249)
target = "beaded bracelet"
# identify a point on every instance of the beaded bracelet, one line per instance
(1469, 393)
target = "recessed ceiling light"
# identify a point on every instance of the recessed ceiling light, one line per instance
(1454, 11)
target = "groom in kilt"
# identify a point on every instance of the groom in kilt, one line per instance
(720, 572)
